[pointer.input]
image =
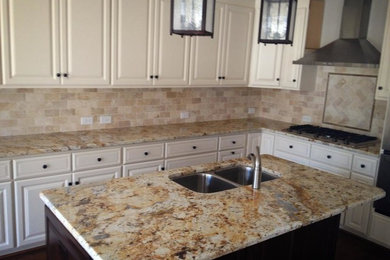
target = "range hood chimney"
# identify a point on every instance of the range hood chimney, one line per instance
(352, 49)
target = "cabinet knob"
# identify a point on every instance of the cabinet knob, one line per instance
(70, 184)
(233, 152)
(233, 142)
(294, 80)
(156, 76)
(219, 77)
(277, 79)
(329, 156)
(380, 88)
(77, 183)
(362, 166)
(99, 159)
(194, 147)
(223, 77)
(163, 168)
(45, 166)
(146, 153)
(66, 75)
(151, 76)
(291, 147)
(58, 75)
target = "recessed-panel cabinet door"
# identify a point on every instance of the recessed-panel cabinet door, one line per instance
(267, 68)
(30, 217)
(206, 53)
(133, 31)
(383, 88)
(6, 218)
(30, 42)
(172, 52)
(237, 44)
(291, 73)
(86, 42)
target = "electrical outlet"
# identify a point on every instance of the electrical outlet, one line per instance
(184, 115)
(87, 120)
(105, 119)
(306, 119)
(251, 110)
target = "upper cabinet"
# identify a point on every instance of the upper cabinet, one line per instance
(224, 59)
(271, 65)
(383, 87)
(51, 42)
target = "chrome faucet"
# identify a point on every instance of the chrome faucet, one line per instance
(257, 168)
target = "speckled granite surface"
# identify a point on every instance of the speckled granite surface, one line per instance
(67, 141)
(151, 217)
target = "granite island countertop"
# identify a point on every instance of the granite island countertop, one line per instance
(150, 216)
(26, 145)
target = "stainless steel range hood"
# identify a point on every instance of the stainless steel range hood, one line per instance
(352, 49)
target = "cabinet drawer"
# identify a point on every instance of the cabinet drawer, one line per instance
(143, 153)
(364, 165)
(40, 166)
(330, 169)
(97, 175)
(362, 178)
(180, 148)
(292, 146)
(231, 142)
(143, 168)
(96, 159)
(332, 157)
(231, 154)
(190, 161)
(5, 170)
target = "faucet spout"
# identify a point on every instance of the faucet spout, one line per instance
(257, 168)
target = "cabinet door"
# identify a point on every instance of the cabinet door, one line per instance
(206, 53)
(267, 144)
(133, 35)
(253, 140)
(143, 168)
(237, 45)
(30, 41)
(291, 73)
(172, 52)
(96, 175)
(6, 219)
(86, 41)
(30, 220)
(383, 88)
(266, 70)
(357, 218)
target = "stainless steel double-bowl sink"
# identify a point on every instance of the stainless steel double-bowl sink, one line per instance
(220, 180)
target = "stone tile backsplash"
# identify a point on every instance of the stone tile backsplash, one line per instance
(29, 111)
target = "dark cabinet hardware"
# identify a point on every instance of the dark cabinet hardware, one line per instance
(329, 156)
(45, 166)
(156, 76)
(362, 166)
(277, 79)
(58, 75)
(234, 142)
(146, 153)
(380, 88)
(219, 77)
(77, 183)
(70, 184)
(223, 77)
(163, 168)
(194, 147)
(291, 147)
(294, 80)
(151, 76)
(233, 152)
(99, 159)
(66, 75)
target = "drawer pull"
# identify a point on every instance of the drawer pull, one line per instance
(77, 183)
(194, 147)
(99, 159)
(70, 184)
(146, 153)
(329, 156)
(233, 152)
(362, 166)
(45, 166)
(233, 142)
(291, 147)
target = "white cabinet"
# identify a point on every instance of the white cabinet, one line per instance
(30, 41)
(380, 229)
(141, 153)
(231, 154)
(96, 159)
(96, 175)
(292, 149)
(190, 160)
(383, 84)
(187, 147)
(5, 170)
(253, 140)
(264, 140)
(143, 168)
(272, 65)
(224, 59)
(43, 38)
(29, 209)
(6, 217)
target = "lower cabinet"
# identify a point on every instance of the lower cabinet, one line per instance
(29, 209)
(380, 229)
(264, 140)
(143, 168)
(190, 160)
(6, 217)
(96, 175)
(231, 154)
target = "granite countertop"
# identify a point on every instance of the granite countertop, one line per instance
(152, 217)
(12, 146)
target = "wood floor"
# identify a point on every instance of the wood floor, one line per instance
(349, 247)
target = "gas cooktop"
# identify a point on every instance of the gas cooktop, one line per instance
(332, 135)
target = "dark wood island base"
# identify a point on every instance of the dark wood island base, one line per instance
(316, 241)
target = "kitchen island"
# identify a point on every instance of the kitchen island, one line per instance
(152, 217)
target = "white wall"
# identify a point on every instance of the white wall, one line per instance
(333, 11)
(377, 22)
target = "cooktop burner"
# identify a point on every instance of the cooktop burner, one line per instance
(332, 135)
